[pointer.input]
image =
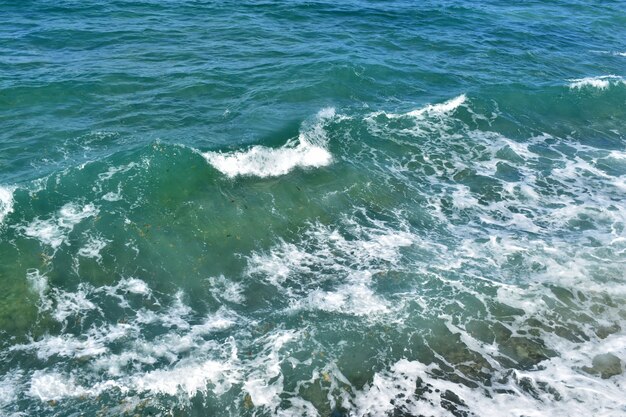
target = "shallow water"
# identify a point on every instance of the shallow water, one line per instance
(312, 209)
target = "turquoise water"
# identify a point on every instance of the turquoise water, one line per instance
(359, 208)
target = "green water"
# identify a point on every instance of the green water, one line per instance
(312, 209)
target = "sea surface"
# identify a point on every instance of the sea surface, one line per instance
(312, 208)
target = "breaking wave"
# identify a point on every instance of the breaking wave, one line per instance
(601, 82)
(309, 150)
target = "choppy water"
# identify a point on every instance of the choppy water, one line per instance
(358, 208)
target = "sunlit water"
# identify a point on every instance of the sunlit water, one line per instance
(360, 208)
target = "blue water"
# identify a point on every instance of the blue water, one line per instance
(306, 208)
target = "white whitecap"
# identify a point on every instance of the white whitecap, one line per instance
(601, 82)
(6, 202)
(439, 109)
(263, 162)
(309, 150)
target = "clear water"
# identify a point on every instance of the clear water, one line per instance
(309, 208)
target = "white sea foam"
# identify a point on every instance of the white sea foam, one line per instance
(9, 386)
(6, 202)
(225, 289)
(353, 299)
(171, 346)
(309, 150)
(601, 82)
(37, 281)
(48, 386)
(135, 286)
(576, 394)
(197, 363)
(377, 243)
(54, 231)
(188, 378)
(264, 383)
(93, 247)
(560, 386)
(531, 226)
(378, 397)
(93, 343)
(72, 303)
(463, 198)
(48, 232)
(111, 196)
(345, 266)
(260, 376)
(117, 170)
(124, 287)
(39, 284)
(298, 408)
(221, 320)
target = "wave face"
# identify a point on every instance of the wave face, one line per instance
(347, 209)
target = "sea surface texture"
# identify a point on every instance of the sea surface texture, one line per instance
(312, 208)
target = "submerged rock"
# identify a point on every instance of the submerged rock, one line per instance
(526, 352)
(605, 331)
(339, 412)
(606, 365)
(247, 401)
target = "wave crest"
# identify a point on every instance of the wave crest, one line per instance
(601, 82)
(308, 150)
(430, 110)
(439, 109)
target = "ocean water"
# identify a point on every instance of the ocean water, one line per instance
(312, 208)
